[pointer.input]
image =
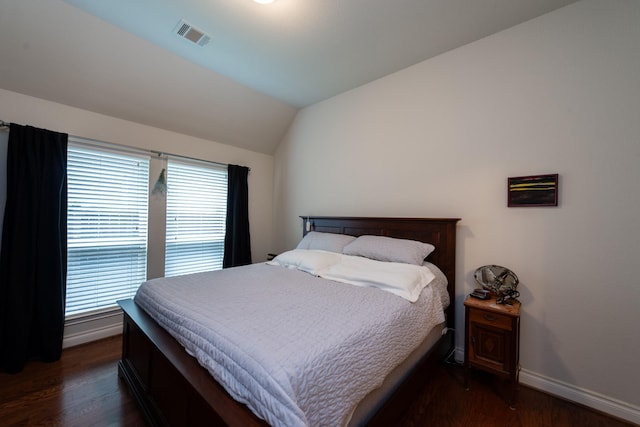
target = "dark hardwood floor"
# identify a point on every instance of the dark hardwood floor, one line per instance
(82, 389)
(445, 402)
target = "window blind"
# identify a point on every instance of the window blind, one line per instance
(196, 216)
(106, 226)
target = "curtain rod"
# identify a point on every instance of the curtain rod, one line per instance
(4, 124)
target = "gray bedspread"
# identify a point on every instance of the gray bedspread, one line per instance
(298, 350)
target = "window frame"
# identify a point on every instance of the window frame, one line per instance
(205, 180)
(107, 150)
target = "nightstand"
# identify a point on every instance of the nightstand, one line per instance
(492, 340)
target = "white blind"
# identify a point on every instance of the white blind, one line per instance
(106, 226)
(196, 215)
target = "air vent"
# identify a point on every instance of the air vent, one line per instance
(191, 33)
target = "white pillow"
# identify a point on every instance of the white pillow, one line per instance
(389, 249)
(310, 261)
(325, 241)
(402, 279)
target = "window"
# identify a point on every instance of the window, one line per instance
(196, 215)
(106, 226)
(108, 222)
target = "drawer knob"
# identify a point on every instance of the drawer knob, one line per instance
(489, 317)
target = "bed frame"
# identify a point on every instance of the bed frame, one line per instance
(172, 388)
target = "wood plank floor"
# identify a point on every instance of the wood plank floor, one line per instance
(82, 389)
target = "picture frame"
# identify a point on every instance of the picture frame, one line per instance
(532, 191)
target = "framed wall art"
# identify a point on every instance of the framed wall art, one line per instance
(533, 190)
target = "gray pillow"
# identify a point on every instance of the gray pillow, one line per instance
(325, 241)
(389, 249)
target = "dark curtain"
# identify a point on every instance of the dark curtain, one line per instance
(33, 255)
(237, 242)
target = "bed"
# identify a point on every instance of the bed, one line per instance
(173, 388)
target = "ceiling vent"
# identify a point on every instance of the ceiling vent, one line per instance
(191, 33)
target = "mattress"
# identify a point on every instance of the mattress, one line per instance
(297, 349)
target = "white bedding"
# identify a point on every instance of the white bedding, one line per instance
(404, 280)
(297, 349)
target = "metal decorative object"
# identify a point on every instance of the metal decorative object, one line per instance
(500, 281)
(160, 187)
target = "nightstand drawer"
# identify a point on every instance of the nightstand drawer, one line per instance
(488, 318)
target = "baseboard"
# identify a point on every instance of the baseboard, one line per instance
(92, 335)
(599, 402)
(596, 401)
(92, 329)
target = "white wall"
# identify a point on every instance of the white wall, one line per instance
(561, 94)
(27, 110)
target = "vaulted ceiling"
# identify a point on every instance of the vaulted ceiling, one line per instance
(261, 63)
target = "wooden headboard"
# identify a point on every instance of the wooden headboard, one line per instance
(440, 232)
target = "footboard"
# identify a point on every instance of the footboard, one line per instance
(169, 385)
